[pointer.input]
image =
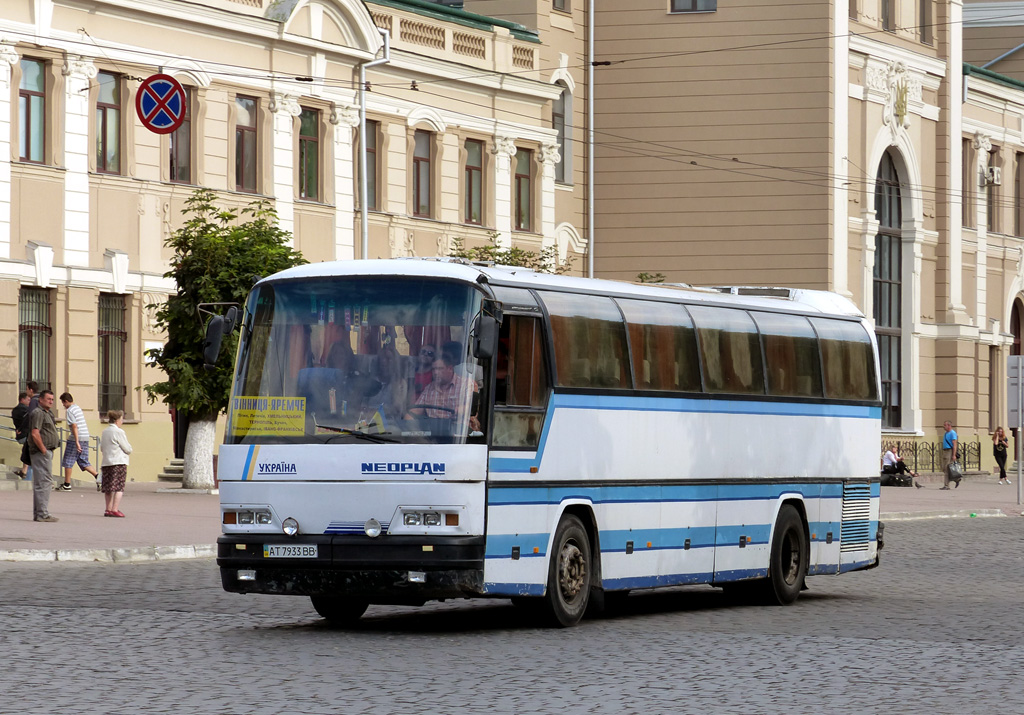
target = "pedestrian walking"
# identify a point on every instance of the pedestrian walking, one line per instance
(114, 449)
(76, 451)
(949, 454)
(43, 440)
(999, 445)
(19, 416)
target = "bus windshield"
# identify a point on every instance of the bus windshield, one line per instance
(369, 360)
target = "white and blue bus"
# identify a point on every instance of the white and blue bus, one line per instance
(408, 430)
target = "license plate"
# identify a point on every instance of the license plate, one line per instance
(290, 551)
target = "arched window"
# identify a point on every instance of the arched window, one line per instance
(561, 121)
(888, 289)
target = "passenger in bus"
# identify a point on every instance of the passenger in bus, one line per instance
(448, 395)
(424, 368)
(393, 398)
(326, 388)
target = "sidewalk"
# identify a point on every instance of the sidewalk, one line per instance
(170, 523)
(161, 522)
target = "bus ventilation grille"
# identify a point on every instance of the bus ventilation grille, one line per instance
(855, 531)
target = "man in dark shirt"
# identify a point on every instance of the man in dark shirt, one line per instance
(18, 415)
(43, 440)
(31, 388)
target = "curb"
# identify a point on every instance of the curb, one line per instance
(958, 514)
(115, 555)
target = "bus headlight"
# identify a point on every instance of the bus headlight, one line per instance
(290, 526)
(372, 528)
(264, 517)
(412, 518)
(431, 518)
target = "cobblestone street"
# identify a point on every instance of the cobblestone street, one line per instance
(933, 630)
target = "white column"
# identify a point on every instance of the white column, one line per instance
(955, 80)
(79, 72)
(549, 156)
(8, 58)
(840, 163)
(344, 120)
(503, 149)
(983, 145)
(284, 109)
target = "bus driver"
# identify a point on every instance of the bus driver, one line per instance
(448, 394)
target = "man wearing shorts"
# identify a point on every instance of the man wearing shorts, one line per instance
(76, 451)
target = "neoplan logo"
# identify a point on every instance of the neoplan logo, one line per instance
(403, 467)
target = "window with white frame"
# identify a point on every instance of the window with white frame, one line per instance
(32, 111)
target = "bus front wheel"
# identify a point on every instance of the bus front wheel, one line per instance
(339, 611)
(569, 573)
(790, 554)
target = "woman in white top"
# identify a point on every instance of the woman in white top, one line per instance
(114, 449)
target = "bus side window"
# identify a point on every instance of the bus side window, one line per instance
(848, 360)
(791, 355)
(663, 345)
(590, 341)
(521, 383)
(730, 349)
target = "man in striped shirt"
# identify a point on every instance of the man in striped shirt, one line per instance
(77, 448)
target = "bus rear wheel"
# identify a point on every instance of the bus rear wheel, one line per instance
(790, 554)
(570, 573)
(339, 611)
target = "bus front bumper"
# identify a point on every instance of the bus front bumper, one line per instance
(387, 570)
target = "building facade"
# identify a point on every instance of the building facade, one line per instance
(870, 147)
(461, 145)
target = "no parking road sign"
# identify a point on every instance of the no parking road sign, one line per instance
(160, 104)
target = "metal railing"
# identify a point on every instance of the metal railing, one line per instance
(10, 449)
(927, 456)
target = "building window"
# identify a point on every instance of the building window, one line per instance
(245, 144)
(372, 168)
(888, 288)
(309, 154)
(562, 5)
(561, 109)
(925, 21)
(693, 5)
(889, 15)
(108, 124)
(34, 331)
(181, 146)
(112, 338)
(1018, 194)
(967, 188)
(853, 9)
(32, 111)
(474, 181)
(524, 161)
(992, 192)
(421, 174)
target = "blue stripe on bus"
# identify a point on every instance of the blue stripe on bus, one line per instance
(613, 541)
(675, 404)
(514, 589)
(248, 461)
(615, 494)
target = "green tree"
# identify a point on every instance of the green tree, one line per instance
(544, 261)
(218, 256)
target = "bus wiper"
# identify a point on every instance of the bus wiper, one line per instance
(378, 438)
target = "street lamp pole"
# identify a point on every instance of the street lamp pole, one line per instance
(364, 225)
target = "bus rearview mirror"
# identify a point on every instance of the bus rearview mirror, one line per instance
(485, 337)
(214, 337)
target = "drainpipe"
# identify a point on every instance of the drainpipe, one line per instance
(364, 225)
(590, 140)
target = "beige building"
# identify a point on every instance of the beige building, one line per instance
(462, 145)
(840, 145)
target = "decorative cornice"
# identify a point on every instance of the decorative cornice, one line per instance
(285, 103)
(504, 146)
(78, 67)
(344, 114)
